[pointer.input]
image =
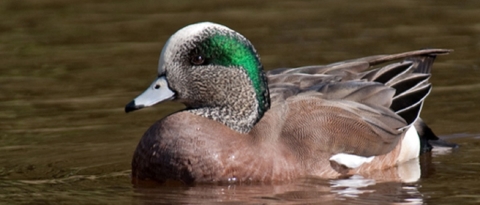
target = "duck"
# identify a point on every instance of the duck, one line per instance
(244, 124)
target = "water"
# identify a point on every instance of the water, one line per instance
(68, 68)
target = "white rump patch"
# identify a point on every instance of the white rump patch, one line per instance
(350, 160)
(410, 145)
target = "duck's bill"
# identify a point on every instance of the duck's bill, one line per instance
(156, 93)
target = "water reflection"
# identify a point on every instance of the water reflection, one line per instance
(352, 190)
(388, 186)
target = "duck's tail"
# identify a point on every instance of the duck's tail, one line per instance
(410, 80)
(428, 139)
(411, 87)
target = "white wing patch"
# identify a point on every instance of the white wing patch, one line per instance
(350, 160)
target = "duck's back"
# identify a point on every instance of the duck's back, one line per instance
(350, 108)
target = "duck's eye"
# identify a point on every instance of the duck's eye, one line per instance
(197, 59)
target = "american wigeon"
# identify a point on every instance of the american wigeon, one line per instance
(244, 124)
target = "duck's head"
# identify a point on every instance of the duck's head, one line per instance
(215, 72)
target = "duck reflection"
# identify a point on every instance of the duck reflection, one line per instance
(397, 185)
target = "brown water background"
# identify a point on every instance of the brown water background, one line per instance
(67, 69)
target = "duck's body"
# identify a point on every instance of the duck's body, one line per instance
(186, 147)
(324, 121)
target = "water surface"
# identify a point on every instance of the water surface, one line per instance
(68, 68)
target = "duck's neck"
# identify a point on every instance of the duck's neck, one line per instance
(235, 104)
(237, 119)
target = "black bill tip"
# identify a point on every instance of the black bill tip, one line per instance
(131, 106)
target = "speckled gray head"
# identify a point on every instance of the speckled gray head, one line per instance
(187, 39)
(215, 72)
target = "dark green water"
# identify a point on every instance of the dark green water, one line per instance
(67, 69)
